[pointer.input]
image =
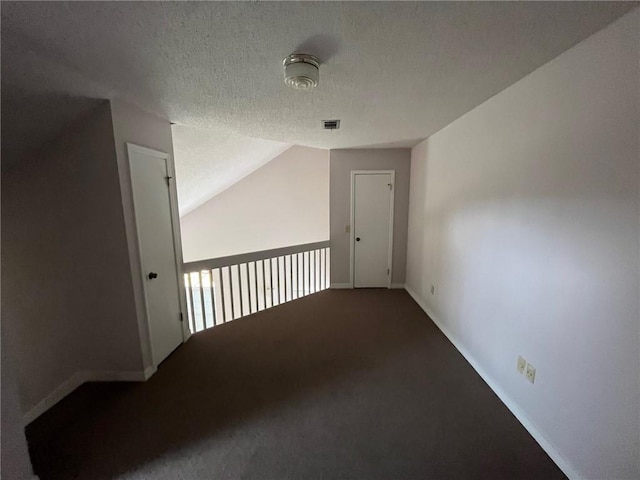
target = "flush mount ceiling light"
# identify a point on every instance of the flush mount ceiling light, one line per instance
(301, 71)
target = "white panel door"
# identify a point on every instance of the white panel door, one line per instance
(372, 229)
(150, 175)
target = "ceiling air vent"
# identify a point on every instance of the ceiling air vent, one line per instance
(331, 124)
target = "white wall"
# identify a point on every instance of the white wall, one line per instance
(67, 297)
(342, 163)
(524, 215)
(285, 202)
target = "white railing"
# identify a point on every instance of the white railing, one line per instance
(226, 288)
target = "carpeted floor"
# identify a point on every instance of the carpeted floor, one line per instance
(347, 384)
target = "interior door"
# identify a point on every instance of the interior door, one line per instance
(372, 228)
(150, 176)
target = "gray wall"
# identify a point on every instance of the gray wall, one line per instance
(67, 291)
(525, 217)
(342, 162)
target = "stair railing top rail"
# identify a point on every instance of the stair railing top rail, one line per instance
(212, 263)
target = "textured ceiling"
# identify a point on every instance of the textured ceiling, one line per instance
(208, 162)
(392, 72)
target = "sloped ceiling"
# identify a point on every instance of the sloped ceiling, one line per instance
(208, 162)
(392, 72)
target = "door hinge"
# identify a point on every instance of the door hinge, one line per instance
(168, 179)
(181, 317)
(390, 186)
(387, 271)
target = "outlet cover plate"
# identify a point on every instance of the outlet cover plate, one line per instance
(521, 365)
(531, 373)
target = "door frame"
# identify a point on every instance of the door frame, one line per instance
(177, 254)
(352, 235)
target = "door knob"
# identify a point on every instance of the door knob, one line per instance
(357, 239)
(152, 275)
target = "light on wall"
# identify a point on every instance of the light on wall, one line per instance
(301, 71)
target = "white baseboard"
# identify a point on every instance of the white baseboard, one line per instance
(148, 372)
(121, 376)
(77, 379)
(342, 286)
(567, 468)
(61, 391)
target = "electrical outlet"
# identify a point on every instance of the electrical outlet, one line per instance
(531, 373)
(522, 364)
(433, 289)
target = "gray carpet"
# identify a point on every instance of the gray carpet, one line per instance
(339, 385)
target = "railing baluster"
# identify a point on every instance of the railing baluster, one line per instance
(316, 265)
(233, 306)
(321, 267)
(204, 317)
(305, 274)
(280, 282)
(294, 276)
(273, 301)
(222, 302)
(208, 321)
(319, 270)
(213, 299)
(264, 285)
(241, 291)
(297, 275)
(286, 277)
(326, 271)
(239, 268)
(278, 279)
(309, 272)
(247, 290)
(248, 285)
(313, 272)
(192, 316)
(246, 268)
(327, 259)
(291, 277)
(255, 280)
